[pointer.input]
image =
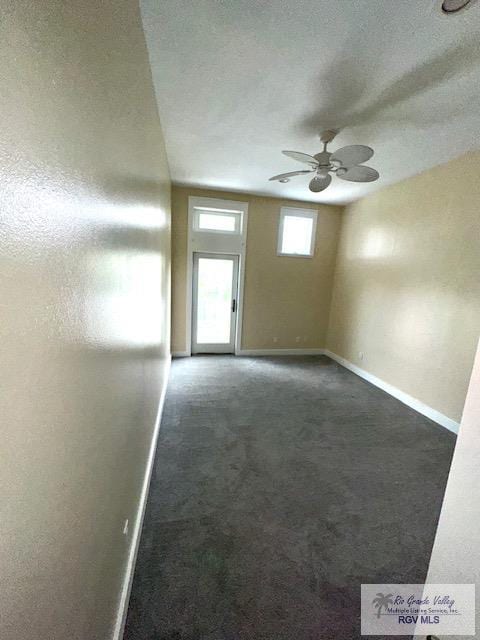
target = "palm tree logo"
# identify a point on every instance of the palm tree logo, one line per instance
(382, 602)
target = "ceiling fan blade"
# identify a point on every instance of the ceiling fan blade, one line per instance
(319, 183)
(301, 157)
(352, 155)
(286, 176)
(360, 174)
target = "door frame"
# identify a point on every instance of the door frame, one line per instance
(215, 347)
(215, 243)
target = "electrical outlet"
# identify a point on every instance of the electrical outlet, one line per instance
(360, 355)
(297, 339)
(125, 528)
(275, 339)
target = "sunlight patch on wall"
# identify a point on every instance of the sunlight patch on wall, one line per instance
(378, 244)
(125, 312)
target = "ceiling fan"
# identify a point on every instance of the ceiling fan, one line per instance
(346, 163)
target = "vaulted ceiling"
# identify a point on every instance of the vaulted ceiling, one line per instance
(237, 81)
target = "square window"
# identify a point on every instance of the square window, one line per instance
(296, 232)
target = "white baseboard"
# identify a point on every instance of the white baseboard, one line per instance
(263, 352)
(137, 530)
(280, 352)
(407, 399)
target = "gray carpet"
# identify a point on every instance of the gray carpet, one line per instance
(280, 485)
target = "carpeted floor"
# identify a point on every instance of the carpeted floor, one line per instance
(280, 485)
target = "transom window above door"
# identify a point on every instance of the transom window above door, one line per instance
(217, 220)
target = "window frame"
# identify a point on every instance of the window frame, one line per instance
(237, 215)
(294, 212)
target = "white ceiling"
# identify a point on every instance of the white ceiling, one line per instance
(237, 81)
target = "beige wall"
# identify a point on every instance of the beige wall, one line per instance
(284, 297)
(407, 285)
(84, 287)
(456, 550)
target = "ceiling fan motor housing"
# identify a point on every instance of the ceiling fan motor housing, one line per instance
(324, 164)
(323, 158)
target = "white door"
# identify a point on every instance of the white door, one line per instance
(215, 286)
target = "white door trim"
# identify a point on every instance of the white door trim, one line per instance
(215, 243)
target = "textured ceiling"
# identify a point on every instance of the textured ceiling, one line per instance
(237, 81)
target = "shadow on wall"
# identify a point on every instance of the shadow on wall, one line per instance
(133, 190)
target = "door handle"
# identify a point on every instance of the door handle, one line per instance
(234, 305)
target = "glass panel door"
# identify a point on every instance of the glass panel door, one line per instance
(214, 303)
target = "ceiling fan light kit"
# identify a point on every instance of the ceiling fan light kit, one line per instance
(346, 163)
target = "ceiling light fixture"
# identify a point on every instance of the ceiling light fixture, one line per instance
(452, 6)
